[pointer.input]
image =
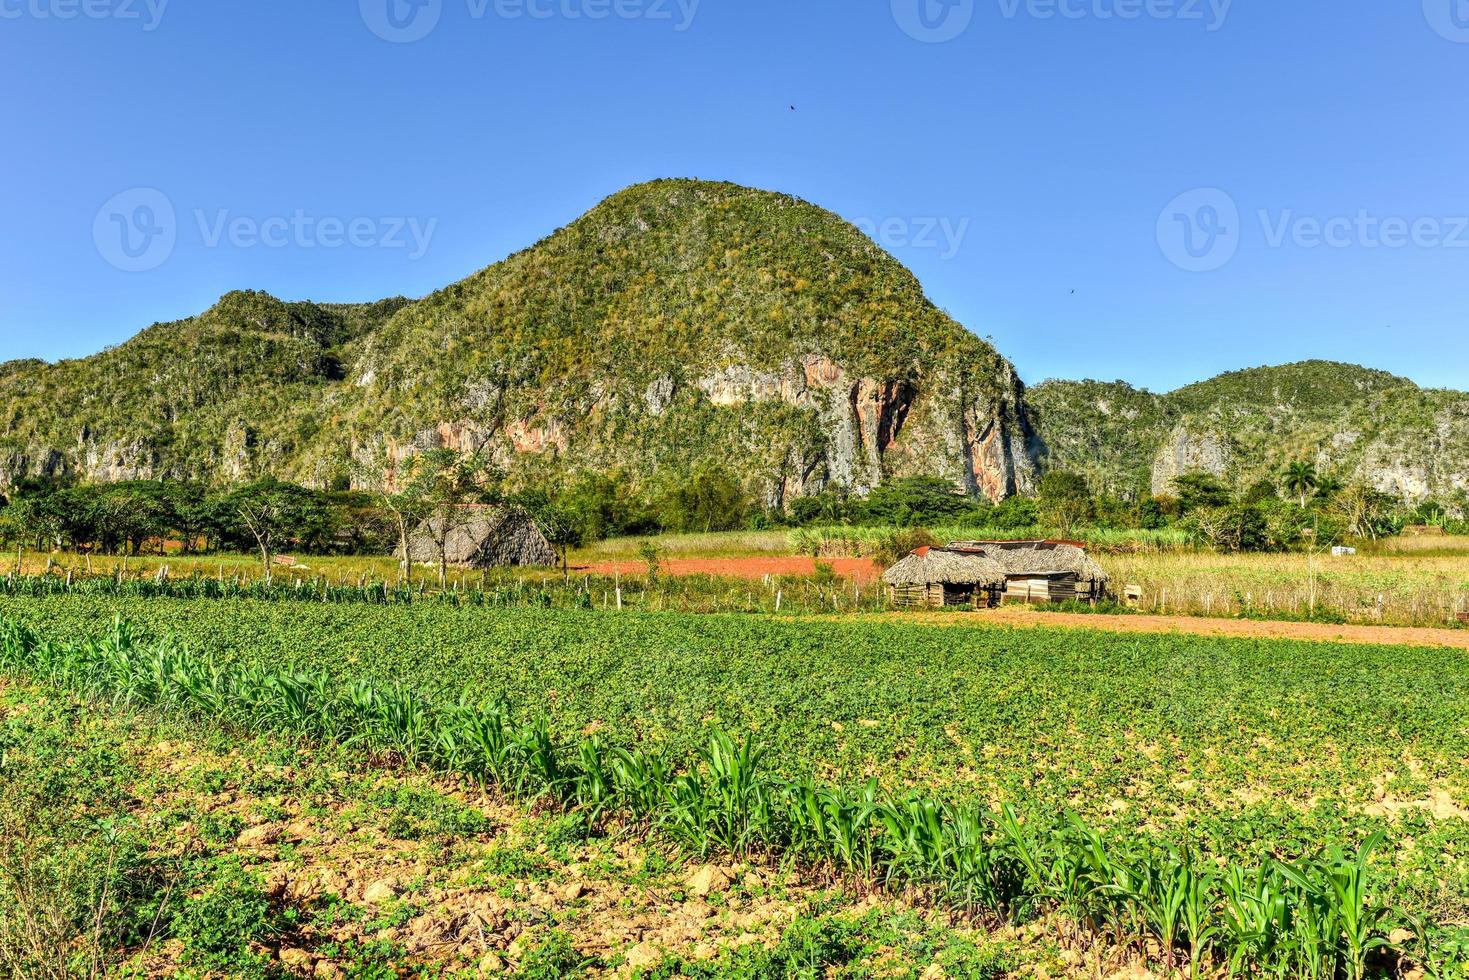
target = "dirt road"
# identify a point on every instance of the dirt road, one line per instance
(1317, 632)
(862, 569)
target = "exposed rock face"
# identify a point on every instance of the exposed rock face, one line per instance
(113, 463)
(862, 430)
(1187, 452)
(677, 325)
(1355, 424)
(876, 428)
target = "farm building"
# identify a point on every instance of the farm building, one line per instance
(1043, 571)
(482, 537)
(939, 577)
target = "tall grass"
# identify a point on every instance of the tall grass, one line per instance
(1384, 589)
(693, 594)
(1313, 917)
(869, 542)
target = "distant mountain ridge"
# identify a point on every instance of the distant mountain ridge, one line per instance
(681, 324)
(677, 324)
(1357, 423)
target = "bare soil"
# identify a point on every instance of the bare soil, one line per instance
(1198, 626)
(863, 570)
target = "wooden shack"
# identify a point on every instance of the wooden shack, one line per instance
(1038, 572)
(936, 578)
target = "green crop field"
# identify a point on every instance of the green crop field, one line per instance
(1241, 748)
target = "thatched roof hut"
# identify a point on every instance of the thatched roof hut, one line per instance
(482, 537)
(940, 577)
(1044, 571)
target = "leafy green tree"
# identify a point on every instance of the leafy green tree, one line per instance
(136, 512)
(1367, 513)
(1232, 527)
(1328, 486)
(1200, 490)
(596, 506)
(1300, 478)
(1262, 491)
(1148, 514)
(915, 501)
(438, 488)
(34, 513)
(360, 525)
(830, 506)
(1065, 502)
(1014, 514)
(274, 513)
(708, 499)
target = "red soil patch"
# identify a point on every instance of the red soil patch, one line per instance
(861, 569)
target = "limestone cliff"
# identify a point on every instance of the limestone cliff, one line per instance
(678, 324)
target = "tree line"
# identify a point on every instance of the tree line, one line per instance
(1299, 505)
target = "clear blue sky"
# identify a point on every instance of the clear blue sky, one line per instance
(1044, 151)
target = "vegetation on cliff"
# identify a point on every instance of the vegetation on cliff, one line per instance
(1356, 424)
(676, 323)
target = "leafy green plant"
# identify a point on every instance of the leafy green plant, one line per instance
(1314, 917)
(221, 925)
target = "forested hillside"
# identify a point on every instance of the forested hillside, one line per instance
(679, 324)
(1356, 424)
(677, 328)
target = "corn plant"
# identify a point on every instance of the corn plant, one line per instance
(1313, 918)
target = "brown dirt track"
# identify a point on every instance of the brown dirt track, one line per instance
(1199, 626)
(862, 569)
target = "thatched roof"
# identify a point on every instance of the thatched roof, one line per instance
(1038, 558)
(936, 565)
(482, 537)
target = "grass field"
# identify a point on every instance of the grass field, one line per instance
(1420, 581)
(135, 845)
(1241, 747)
(1398, 585)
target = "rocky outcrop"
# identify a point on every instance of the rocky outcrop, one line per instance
(876, 428)
(1190, 452)
(116, 463)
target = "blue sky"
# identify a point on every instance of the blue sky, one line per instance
(1153, 190)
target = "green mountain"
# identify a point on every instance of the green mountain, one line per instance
(1352, 422)
(678, 323)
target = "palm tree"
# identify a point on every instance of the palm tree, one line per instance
(1328, 486)
(1300, 478)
